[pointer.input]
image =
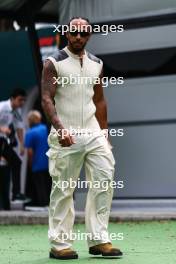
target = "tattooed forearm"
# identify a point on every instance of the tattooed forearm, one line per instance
(48, 93)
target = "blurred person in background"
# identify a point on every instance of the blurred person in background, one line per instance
(36, 143)
(11, 123)
(4, 184)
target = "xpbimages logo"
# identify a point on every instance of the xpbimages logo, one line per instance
(85, 236)
(87, 80)
(80, 184)
(88, 132)
(103, 29)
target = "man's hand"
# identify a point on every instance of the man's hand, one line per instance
(109, 143)
(5, 130)
(22, 150)
(65, 139)
(106, 135)
(21, 141)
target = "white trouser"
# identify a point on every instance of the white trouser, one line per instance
(65, 163)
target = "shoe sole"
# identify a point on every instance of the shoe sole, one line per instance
(112, 254)
(105, 254)
(63, 257)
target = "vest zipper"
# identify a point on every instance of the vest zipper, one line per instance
(81, 74)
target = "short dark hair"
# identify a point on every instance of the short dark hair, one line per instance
(83, 18)
(18, 92)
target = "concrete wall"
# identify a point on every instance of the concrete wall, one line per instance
(145, 155)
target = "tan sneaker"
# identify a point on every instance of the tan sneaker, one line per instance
(66, 253)
(105, 249)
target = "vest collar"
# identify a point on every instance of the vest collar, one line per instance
(71, 54)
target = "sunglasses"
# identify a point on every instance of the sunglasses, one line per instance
(82, 33)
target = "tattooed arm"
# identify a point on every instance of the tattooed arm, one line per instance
(48, 93)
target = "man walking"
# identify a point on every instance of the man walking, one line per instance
(79, 106)
(11, 122)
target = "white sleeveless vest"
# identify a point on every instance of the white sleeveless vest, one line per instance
(73, 101)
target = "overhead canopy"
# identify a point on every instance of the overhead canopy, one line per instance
(41, 10)
(103, 10)
(98, 11)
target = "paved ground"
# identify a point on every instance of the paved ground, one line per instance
(41, 217)
(144, 243)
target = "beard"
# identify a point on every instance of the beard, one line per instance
(77, 46)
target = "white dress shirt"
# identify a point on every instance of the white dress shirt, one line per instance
(9, 116)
